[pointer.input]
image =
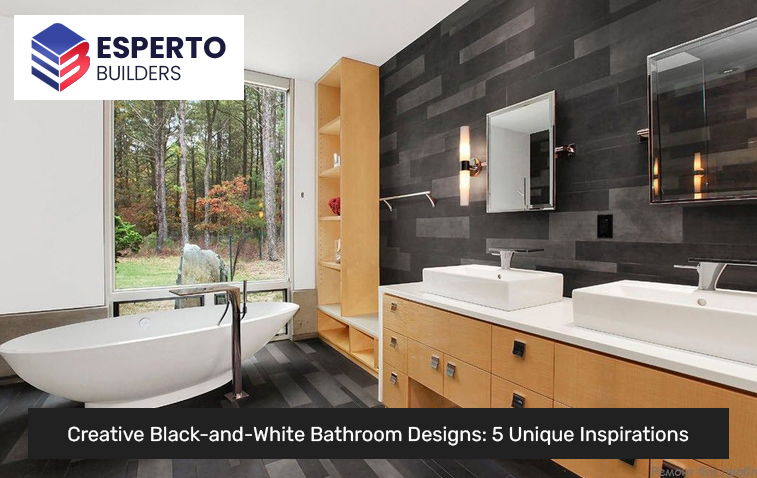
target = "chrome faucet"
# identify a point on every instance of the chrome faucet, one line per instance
(710, 270)
(506, 255)
(238, 302)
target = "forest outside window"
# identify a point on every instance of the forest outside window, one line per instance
(199, 190)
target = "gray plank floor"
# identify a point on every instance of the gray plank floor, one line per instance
(282, 375)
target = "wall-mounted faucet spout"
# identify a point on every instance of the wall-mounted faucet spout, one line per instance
(506, 255)
(238, 309)
(710, 270)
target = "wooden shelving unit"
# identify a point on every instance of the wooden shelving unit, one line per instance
(348, 124)
(332, 265)
(333, 127)
(333, 173)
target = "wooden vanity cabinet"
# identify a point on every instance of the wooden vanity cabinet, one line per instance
(585, 379)
(441, 359)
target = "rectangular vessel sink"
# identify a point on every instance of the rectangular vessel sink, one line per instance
(491, 286)
(722, 323)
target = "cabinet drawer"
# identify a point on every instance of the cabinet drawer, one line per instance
(509, 395)
(683, 468)
(394, 387)
(607, 468)
(426, 366)
(523, 359)
(395, 350)
(466, 385)
(396, 313)
(466, 339)
(590, 380)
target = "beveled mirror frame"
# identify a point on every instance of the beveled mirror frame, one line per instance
(551, 96)
(651, 133)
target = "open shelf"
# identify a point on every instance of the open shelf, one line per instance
(333, 127)
(338, 337)
(332, 173)
(331, 218)
(351, 341)
(331, 265)
(368, 323)
(366, 356)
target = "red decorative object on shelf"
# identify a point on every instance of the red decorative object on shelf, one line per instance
(336, 205)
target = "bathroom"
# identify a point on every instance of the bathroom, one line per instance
(391, 248)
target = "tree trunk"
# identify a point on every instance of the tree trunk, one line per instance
(259, 142)
(269, 172)
(183, 173)
(159, 149)
(194, 187)
(211, 117)
(245, 121)
(219, 148)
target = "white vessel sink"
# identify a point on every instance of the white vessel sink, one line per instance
(722, 323)
(491, 286)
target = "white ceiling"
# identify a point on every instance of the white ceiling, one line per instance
(298, 39)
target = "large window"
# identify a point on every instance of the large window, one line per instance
(200, 190)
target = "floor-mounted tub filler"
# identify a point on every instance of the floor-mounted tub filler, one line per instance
(144, 360)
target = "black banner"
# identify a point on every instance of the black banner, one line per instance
(378, 433)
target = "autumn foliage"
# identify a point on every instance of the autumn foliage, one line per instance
(228, 208)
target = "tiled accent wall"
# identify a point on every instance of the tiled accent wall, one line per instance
(493, 53)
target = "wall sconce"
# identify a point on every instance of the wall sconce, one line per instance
(698, 175)
(656, 177)
(468, 167)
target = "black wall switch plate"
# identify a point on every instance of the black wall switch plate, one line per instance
(604, 226)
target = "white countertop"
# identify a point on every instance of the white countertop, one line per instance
(555, 321)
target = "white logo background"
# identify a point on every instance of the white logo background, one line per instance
(201, 78)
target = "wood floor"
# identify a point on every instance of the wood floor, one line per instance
(283, 375)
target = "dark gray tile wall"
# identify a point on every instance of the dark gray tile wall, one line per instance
(493, 53)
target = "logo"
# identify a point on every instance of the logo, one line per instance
(59, 56)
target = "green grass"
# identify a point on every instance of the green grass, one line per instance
(160, 271)
(149, 271)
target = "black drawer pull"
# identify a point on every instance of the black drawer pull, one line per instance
(435, 362)
(519, 348)
(628, 461)
(393, 378)
(394, 306)
(450, 370)
(670, 470)
(518, 401)
(393, 342)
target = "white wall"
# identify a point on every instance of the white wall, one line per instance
(51, 198)
(304, 185)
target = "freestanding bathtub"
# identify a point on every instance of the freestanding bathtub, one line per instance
(145, 360)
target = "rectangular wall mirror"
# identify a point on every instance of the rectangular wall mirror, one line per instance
(703, 118)
(520, 156)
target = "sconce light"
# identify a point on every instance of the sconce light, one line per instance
(468, 167)
(656, 177)
(698, 175)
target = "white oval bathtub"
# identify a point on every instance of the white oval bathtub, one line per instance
(145, 360)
